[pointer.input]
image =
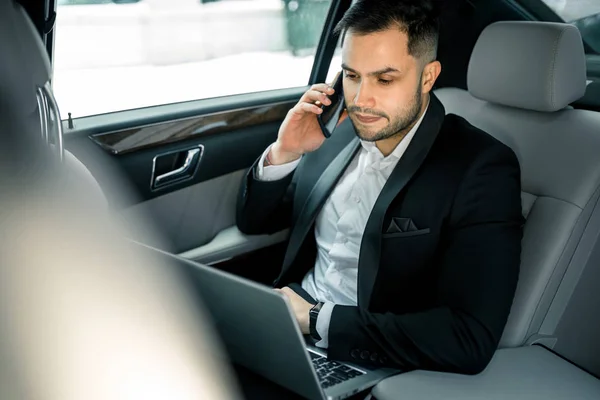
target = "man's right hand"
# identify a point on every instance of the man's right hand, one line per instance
(300, 131)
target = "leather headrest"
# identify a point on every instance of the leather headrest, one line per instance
(537, 66)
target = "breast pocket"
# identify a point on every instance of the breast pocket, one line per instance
(407, 234)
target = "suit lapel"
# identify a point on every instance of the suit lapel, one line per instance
(318, 195)
(403, 172)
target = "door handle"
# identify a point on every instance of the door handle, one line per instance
(186, 171)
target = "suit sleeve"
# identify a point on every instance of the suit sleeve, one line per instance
(479, 268)
(265, 198)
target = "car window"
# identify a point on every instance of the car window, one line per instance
(67, 2)
(585, 14)
(126, 54)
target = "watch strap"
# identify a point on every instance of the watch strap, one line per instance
(313, 316)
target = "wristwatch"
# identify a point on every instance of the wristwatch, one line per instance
(313, 315)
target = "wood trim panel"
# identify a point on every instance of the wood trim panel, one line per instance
(130, 140)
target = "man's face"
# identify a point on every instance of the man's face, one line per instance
(382, 83)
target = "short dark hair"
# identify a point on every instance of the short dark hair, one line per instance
(419, 19)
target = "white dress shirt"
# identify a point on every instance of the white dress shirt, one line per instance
(340, 224)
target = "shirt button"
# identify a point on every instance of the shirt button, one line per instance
(357, 199)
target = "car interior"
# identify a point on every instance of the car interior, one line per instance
(514, 68)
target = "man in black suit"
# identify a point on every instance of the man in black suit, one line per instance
(406, 223)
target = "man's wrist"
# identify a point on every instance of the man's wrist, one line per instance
(268, 159)
(276, 156)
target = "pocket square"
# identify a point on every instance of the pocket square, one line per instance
(398, 224)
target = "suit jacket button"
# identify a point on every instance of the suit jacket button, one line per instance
(355, 353)
(364, 355)
(374, 357)
(383, 359)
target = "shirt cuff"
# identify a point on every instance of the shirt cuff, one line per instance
(323, 321)
(274, 172)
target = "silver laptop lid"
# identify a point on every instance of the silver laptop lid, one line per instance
(258, 330)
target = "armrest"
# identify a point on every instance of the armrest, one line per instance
(229, 243)
(524, 373)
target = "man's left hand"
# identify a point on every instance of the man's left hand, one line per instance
(300, 307)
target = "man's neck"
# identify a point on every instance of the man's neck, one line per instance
(387, 146)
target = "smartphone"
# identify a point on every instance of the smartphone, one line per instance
(331, 114)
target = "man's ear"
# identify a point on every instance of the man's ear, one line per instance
(431, 71)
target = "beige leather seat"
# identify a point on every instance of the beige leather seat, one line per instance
(522, 77)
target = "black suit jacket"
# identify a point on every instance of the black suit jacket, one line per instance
(439, 259)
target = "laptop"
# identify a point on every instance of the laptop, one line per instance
(259, 332)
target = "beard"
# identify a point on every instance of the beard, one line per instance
(397, 125)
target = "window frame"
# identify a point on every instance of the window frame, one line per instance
(542, 12)
(327, 42)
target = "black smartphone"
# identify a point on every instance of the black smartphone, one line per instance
(331, 114)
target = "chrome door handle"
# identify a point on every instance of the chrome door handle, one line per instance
(183, 173)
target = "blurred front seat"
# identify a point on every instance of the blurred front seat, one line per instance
(21, 41)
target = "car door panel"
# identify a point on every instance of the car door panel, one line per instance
(199, 220)
(174, 131)
(230, 243)
(195, 216)
(127, 150)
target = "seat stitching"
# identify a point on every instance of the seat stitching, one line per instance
(540, 196)
(553, 68)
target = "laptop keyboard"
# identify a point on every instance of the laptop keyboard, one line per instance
(330, 372)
